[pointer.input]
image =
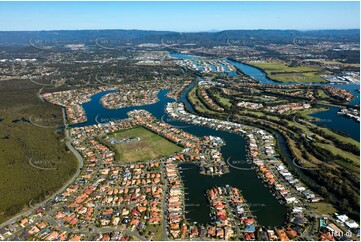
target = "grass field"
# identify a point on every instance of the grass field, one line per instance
(336, 63)
(304, 113)
(224, 101)
(340, 137)
(196, 102)
(323, 208)
(149, 147)
(354, 167)
(322, 94)
(283, 73)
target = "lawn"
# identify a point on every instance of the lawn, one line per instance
(337, 63)
(322, 94)
(303, 114)
(323, 208)
(153, 232)
(224, 101)
(196, 102)
(150, 146)
(339, 137)
(354, 167)
(284, 73)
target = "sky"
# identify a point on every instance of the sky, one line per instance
(178, 16)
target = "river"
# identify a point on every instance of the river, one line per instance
(327, 118)
(264, 205)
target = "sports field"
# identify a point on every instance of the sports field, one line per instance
(150, 146)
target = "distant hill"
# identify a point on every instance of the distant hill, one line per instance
(167, 37)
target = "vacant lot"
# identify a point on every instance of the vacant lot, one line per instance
(284, 73)
(150, 146)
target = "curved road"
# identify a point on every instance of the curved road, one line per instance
(80, 159)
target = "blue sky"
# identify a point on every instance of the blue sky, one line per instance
(178, 16)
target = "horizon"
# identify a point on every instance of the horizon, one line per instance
(179, 16)
(174, 31)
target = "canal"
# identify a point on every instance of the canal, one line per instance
(328, 118)
(265, 206)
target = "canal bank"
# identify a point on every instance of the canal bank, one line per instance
(264, 205)
(332, 121)
(328, 118)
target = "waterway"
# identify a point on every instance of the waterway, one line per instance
(331, 120)
(328, 118)
(265, 206)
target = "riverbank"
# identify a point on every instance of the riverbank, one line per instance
(283, 73)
